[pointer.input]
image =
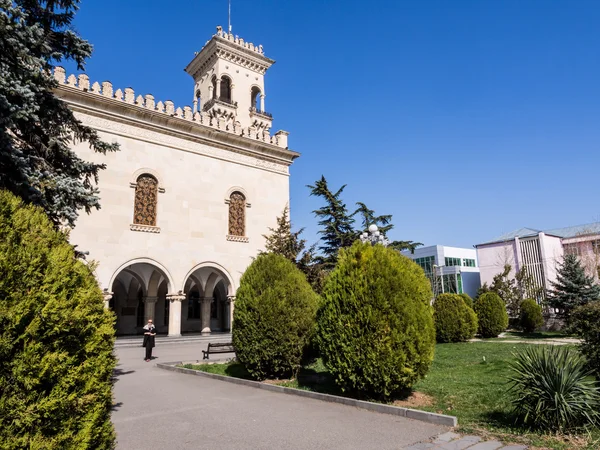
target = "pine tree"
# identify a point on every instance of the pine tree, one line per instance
(368, 218)
(572, 287)
(384, 224)
(337, 231)
(285, 242)
(37, 129)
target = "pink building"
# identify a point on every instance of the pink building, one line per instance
(540, 251)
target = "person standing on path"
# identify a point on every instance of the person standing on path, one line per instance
(149, 333)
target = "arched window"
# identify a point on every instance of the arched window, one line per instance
(255, 98)
(225, 94)
(237, 214)
(146, 196)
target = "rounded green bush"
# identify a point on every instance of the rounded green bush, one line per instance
(552, 389)
(454, 320)
(530, 318)
(56, 339)
(491, 314)
(467, 299)
(585, 323)
(375, 324)
(274, 317)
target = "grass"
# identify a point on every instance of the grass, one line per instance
(537, 335)
(466, 380)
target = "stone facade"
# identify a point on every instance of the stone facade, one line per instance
(187, 199)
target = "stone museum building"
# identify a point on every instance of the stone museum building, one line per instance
(187, 199)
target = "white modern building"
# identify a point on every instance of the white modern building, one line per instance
(450, 269)
(540, 251)
(187, 199)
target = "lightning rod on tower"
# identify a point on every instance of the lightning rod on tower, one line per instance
(230, 16)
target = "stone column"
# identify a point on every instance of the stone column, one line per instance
(195, 109)
(149, 308)
(218, 92)
(262, 102)
(175, 314)
(232, 86)
(205, 314)
(107, 297)
(231, 302)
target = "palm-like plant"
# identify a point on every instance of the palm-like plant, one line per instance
(553, 390)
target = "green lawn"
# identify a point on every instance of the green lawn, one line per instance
(466, 380)
(537, 335)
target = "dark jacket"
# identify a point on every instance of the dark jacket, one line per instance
(149, 338)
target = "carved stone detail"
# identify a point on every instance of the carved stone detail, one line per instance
(237, 214)
(146, 199)
(145, 228)
(244, 239)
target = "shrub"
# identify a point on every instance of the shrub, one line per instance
(467, 299)
(375, 324)
(274, 317)
(56, 339)
(491, 313)
(530, 317)
(585, 323)
(454, 320)
(553, 390)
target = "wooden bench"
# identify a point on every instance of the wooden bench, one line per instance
(224, 347)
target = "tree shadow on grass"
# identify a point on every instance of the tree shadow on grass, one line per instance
(501, 419)
(318, 381)
(237, 370)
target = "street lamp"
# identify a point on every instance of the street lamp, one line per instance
(374, 236)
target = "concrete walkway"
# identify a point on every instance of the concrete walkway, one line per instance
(453, 441)
(160, 409)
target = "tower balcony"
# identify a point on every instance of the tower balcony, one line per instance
(260, 119)
(221, 108)
(221, 101)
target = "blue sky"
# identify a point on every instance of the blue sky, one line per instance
(464, 119)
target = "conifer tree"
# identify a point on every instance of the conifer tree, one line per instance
(337, 223)
(572, 287)
(368, 218)
(384, 224)
(37, 130)
(285, 242)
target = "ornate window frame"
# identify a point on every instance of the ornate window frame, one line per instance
(160, 190)
(230, 237)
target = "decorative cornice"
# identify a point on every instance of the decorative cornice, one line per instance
(232, 238)
(145, 228)
(230, 48)
(172, 139)
(78, 93)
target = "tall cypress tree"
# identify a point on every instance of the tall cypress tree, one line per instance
(337, 223)
(572, 287)
(37, 130)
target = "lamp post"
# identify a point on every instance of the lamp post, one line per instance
(374, 236)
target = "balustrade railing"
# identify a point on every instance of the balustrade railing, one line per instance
(259, 112)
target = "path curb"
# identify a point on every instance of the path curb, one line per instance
(424, 416)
